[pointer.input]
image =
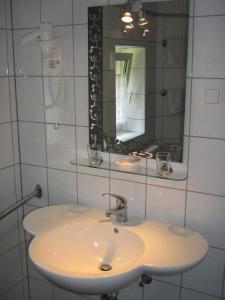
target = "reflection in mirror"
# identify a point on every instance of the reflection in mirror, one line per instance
(137, 78)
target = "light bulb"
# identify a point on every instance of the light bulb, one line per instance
(127, 17)
(142, 22)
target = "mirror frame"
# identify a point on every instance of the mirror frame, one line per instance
(95, 76)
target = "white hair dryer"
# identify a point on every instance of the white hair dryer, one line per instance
(52, 59)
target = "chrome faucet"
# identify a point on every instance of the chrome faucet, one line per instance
(120, 210)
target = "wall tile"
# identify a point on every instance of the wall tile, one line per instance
(81, 97)
(10, 53)
(207, 119)
(13, 99)
(81, 50)
(209, 7)
(3, 56)
(56, 11)
(26, 13)
(161, 291)
(62, 187)
(208, 52)
(187, 295)
(132, 292)
(207, 277)
(28, 108)
(6, 149)
(7, 188)
(8, 14)
(60, 294)
(9, 228)
(92, 195)
(210, 222)
(32, 175)
(40, 290)
(80, 9)
(32, 143)
(10, 263)
(64, 112)
(5, 115)
(9, 232)
(82, 138)
(206, 162)
(61, 147)
(166, 205)
(2, 14)
(15, 142)
(15, 293)
(133, 192)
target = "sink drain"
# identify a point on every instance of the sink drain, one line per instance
(105, 267)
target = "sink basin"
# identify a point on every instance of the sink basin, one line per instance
(88, 259)
(102, 257)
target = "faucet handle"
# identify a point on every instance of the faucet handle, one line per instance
(120, 201)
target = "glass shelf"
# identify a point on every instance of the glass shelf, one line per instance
(139, 169)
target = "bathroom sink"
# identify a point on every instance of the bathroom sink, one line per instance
(102, 257)
(87, 258)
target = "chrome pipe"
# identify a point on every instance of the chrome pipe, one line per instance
(37, 192)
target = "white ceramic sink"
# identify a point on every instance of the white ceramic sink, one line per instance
(70, 255)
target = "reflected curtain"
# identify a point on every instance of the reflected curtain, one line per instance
(121, 102)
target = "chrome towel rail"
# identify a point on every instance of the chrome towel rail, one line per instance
(37, 192)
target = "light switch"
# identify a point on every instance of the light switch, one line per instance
(213, 95)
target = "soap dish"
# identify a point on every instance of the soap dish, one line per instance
(127, 162)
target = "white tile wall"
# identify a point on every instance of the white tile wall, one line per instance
(212, 208)
(40, 290)
(93, 194)
(206, 163)
(17, 292)
(187, 295)
(10, 262)
(208, 52)
(26, 13)
(61, 147)
(3, 56)
(81, 50)
(208, 276)
(56, 11)
(62, 187)
(29, 110)
(5, 114)
(6, 149)
(166, 205)
(209, 7)
(60, 294)
(81, 97)
(132, 292)
(32, 143)
(161, 291)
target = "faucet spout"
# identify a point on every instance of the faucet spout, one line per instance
(120, 210)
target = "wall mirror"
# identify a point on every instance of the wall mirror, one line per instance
(137, 77)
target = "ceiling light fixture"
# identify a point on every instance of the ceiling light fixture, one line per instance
(126, 16)
(134, 10)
